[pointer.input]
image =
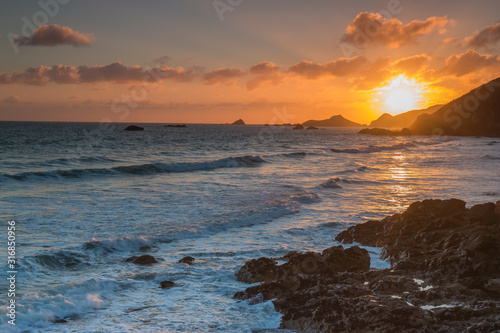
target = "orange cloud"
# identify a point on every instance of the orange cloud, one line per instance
(12, 100)
(487, 37)
(265, 72)
(52, 35)
(373, 29)
(468, 62)
(339, 67)
(413, 64)
(222, 76)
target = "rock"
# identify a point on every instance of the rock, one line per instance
(134, 128)
(333, 259)
(145, 259)
(493, 285)
(312, 128)
(257, 270)
(445, 275)
(187, 260)
(334, 121)
(176, 126)
(238, 122)
(166, 284)
(298, 126)
(59, 321)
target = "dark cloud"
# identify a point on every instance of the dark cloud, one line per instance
(469, 62)
(373, 29)
(340, 67)
(52, 35)
(485, 38)
(114, 73)
(222, 76)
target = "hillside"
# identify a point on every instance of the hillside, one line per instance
(476, 113)
(404, 119)
(335, 121)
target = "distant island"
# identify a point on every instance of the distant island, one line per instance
(335, 121)
(476, 113)
(404, 119)
(239, 122)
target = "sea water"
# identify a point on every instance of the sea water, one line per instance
(85, 198)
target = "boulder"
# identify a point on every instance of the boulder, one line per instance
(145, 259)
(298, 126)
(166, 284)
(134, 128)
(187, 260)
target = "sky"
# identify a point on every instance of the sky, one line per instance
(215, 61)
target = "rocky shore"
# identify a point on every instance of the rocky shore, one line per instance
(444, 275)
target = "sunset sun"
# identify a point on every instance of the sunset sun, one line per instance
(401, 94)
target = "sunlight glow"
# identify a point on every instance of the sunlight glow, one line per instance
(401, 94)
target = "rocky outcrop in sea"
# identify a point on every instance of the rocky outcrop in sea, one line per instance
(444, 275)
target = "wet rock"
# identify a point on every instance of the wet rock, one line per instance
(166, 284)
(312, 128)
(298, 126)
(134, 128)
(187, 260)
(445, 275)
(332, 259)
(145, 259)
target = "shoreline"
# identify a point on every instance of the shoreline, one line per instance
(444, 275)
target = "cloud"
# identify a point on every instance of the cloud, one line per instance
(114, 73)
(413, 64)
(485, 38)
(222, 76)
(52, 35)
(373, 29)
(339, 67)
(374, 74)
(12, 100)
(265, 72)
(468, 62)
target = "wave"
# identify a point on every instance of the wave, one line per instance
(373, 149)
(489, 157)
(297, 154)
(362, 168)
(331, 183)
(141, 169)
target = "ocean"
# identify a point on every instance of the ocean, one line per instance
(85, 198)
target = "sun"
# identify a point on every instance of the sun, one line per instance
(401, 95)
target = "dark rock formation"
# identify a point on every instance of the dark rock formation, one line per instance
(404, 119)
(312, 128)
(298, 126)
(145, 259)
(335, 121)
(166, 284)
(445, 275)
(383, 131)
(238, 122)
(134, 128)
(476, 113)
(176, 126)
(187, 260)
